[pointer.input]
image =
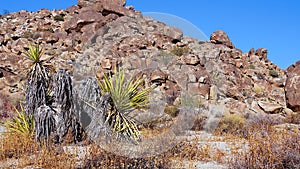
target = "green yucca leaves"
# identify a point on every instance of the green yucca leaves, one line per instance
(22, 123)
(34, 53)
(126, 95)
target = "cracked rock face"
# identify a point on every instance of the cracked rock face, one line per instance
(292, 87)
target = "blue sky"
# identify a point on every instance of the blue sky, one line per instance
(274, 25)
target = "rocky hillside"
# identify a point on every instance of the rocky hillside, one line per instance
(92, 37)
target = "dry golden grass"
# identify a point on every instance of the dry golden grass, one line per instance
(268, 147)
(21, 151)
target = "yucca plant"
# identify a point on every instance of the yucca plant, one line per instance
(126, 95)
(34, 53)
(38, 80)
(21, 123)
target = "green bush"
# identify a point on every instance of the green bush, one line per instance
(273, 73)
(231, 123)
(179, 51)
(59, 18)
(251, 66)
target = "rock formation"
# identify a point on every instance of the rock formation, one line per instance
(292, 86)
(95, 36)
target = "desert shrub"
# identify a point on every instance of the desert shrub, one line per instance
(261, 122)
(199, 123)
(50, 30)
(251, 66)
(273, 73)
(16, 145)
(59, 17)
(27, 34)
(231, 123)
(166, 57)
(267, 147)
(190, 151)
(171, 110)
(19, 151)
(99, 158)
(179, 51)
(124, 96)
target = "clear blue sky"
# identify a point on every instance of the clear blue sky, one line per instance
(274, 25)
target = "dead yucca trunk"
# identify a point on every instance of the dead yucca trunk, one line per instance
(36, 88)
(44, 122)
(53, 111)
(67, 120)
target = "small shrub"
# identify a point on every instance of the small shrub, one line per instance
(269, 149)
(165, 57)
(24, 152)
(251, 66)
(171, 110)
(199, 123)
(59, 17)
(100, 158)
(27, 35)
(16, 145)
(50, 30)
(256, 123)
(231, 123)
(258, 90)
(179, 51)
(273, 73)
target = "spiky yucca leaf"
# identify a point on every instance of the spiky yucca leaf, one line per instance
(34, 53)
(126, 96)
(22, 123)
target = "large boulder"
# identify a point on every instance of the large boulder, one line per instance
(84, 3)
(220, 37)
(292, 89)
(106, 6)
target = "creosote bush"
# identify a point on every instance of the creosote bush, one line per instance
(59, 17)
(273, 73)
(231, 123)
(179, 51)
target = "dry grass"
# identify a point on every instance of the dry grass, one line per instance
(17, 150)
(99, 158)
(268, 147)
